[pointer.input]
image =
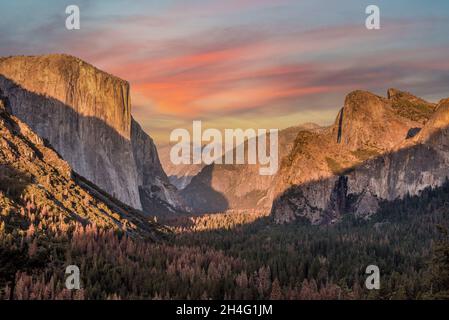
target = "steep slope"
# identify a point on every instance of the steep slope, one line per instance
(373, 152)
(86, 116)
(34, 178)
(221, 187)
(157, 194)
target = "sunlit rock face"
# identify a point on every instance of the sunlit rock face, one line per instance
(379, 149)
(371, 153)
(85, 114)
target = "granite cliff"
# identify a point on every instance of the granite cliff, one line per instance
(379, 149)
(34, 179)
(85, 114)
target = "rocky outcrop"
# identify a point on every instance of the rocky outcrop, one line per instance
(370, 122)
(33, 176)
(85, 114)
(410, 106)
(370, 156)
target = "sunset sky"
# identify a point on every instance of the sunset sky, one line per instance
(242, 63)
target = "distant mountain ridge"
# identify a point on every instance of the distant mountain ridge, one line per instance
(85, 114)
(221, 187)
(179, 175)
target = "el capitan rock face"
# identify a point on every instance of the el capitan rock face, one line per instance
(33, 175)
(85, 114)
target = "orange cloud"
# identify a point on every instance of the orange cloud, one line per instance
(227, 71)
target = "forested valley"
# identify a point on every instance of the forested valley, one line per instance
(231, 257)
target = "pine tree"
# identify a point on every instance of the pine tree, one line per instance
(276, 292)
(440, 267)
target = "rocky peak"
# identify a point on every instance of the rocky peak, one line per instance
(376, 150)
(409, 106)
(79, 85)
(368, 121)
(395, 94)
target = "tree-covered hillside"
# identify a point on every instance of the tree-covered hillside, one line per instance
(257, 260)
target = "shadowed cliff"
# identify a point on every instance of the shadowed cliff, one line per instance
(34, 178)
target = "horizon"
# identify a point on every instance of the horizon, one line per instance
(265, 64)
